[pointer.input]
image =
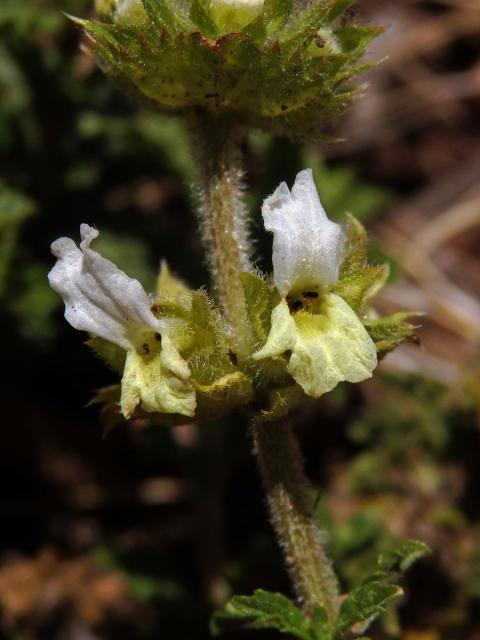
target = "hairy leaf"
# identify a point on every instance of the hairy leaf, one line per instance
(390, 331)
(365, 603)
(401, 557)
(263, 610)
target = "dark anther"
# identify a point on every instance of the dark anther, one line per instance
(310, 294)
(233, 357)
(158, 337)
(146, 349)
(294, 305)
(319, 41)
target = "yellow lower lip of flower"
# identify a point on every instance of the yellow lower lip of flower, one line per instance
(158, 381)
(324, 349)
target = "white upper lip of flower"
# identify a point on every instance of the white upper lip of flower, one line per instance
(99, 297)
(307, 246)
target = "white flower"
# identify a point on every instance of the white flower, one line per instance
(99, 297)
(315, 330)
(307, 246)
(102, 300)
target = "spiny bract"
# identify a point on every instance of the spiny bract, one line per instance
(278, 65)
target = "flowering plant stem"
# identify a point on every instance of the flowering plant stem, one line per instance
(289, 502)
(223, 216)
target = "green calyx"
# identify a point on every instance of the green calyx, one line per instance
(269, 64)
(188, 372)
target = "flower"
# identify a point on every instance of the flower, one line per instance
(315, 329)
(307, 246)
(102, 300)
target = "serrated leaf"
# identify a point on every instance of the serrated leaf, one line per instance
(390, 331)
(276, 13)
(202, 19)
(301, 30)
(263, 610)
(178, 61)
(337, 7)
(355, 38)
(357, 287)
(256, 29)
(166, 14)
(355, 249)
(401, 557)
(365, 603)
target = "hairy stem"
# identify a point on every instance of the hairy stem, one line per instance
(223, 214)
(289, 503)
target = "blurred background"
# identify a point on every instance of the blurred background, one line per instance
(114, 530)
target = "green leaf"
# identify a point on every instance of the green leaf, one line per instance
(354, 38)
(365, 603)
(301, 30)
(170, 285)
(401, 557)
(320, 626)
(357, 287)
(201, 17)
(276, 13)
(166, 14)
(177, 61)
(337, 7)
(259, 299)
(263, 610)
(355, 245)
(390, 331)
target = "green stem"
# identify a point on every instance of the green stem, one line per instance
(289, 503)
(223, 214)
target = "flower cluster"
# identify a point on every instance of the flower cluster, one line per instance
(267, 64)
(176, 351)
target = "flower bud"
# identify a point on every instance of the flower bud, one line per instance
(124, 12)
(234, 15)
